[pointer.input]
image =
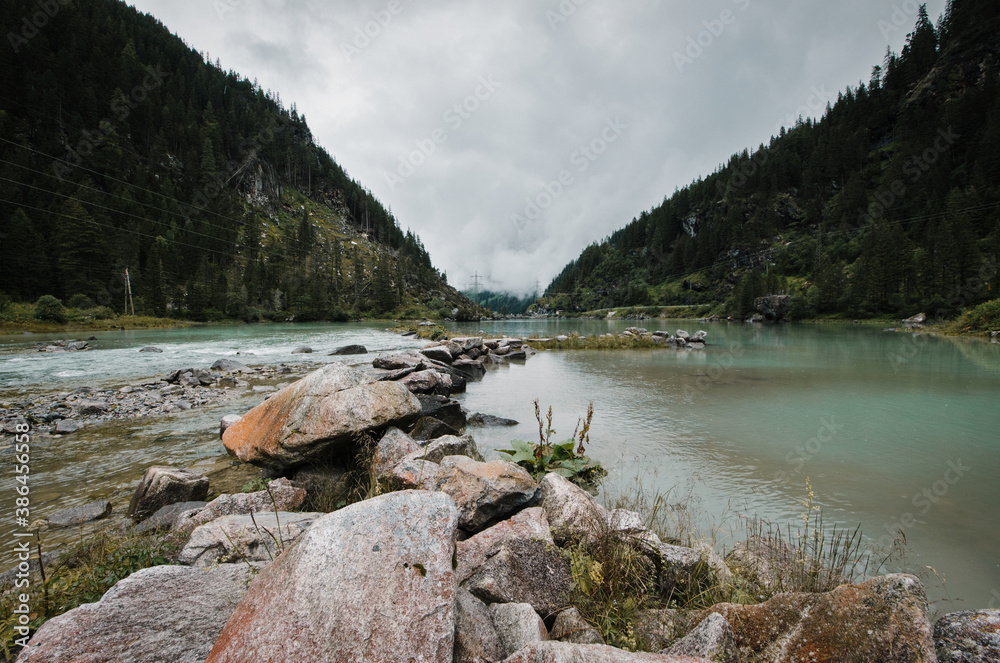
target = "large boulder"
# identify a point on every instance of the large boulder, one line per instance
(882, 619)
(397, 362)
(280, 495)
(350, 350)
(161, 486)
(428, 428)
(485, 492)
(428, 381)
(570, 626)
(450, 445)
(573, 513)
(370, 582)
(524, 525)
(443, 409)
(971, 636)
(394, 446)
(323, 413)
(163, 613)
(412, 474)
(552, 651)
(230, 366)
(245, 538)
(517, 626)
(524, 571)
(437, 353)
(773, 307)
(476, 639)
(711, 639)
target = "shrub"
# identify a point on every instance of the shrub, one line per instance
(983, 318)
(4, 302)
(50, 309)
(79, 301)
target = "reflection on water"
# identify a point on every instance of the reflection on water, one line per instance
(873, 419)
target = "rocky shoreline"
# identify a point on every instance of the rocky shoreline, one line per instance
(454, 558)
(66, 412)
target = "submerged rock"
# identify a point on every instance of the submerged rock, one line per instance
(80, 514)
(350, 350)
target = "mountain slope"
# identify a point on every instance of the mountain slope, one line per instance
(888, 205)
(120, 147)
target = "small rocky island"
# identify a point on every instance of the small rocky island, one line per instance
(454, 558)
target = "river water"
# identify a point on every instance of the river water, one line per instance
(892, 431)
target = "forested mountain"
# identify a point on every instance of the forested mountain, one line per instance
(890, 204)
(122, 148)
(503, 303)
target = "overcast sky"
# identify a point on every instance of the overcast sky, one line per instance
(510, 135)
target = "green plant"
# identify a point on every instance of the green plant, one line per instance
(255, 485)
(49, 308)
(80, 301)
(82, 574)
(564, 458)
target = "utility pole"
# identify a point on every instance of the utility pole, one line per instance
(538, 288)
(475, 287)
(128, 294)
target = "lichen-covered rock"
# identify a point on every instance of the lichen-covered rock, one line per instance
(570, 626)
(257, 537)
(443, 409)
(517, 626)
(392, 448)
(524, 525)
(428, 381)
(476, 639)
(323, 413)
(163, 613)
(523, 571)
(711, 639)
(437, 353)
(882, 619)
(971, 636)
(397, 362)
(573, 513)
(161, 486)
(485, 492)
(657, 628)
(280, 495)
(567, 652)
(413, 474)
(451, 445)
(370, 582)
